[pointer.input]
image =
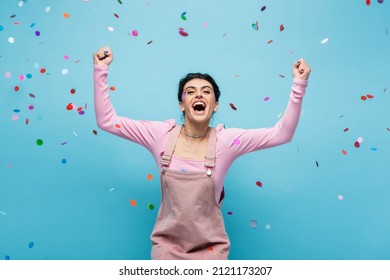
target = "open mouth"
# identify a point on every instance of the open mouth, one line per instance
(199, 106)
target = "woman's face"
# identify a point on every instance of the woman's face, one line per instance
(198, 101)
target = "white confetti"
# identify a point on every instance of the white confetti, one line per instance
(110, 28)
(47, 9)
(340, 197)
(112, 189)
(20, 4)
(74, 133)
(324, 41)
(267, 227)
(64, 71)
(11, 40)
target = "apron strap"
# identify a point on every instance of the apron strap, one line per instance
(210, 156)
(170, 146)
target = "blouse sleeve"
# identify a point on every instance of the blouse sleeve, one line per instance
(145, 133)
(242, 141)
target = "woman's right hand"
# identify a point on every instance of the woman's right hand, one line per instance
(103, 56)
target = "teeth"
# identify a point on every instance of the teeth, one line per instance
(199, 103)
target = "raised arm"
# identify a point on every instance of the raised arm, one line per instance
(255, 139)
(145, 133)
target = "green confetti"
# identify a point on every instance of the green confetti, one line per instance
(39, 142)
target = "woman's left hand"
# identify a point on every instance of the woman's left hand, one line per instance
(301, 70)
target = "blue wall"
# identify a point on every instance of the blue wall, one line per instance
(69, 198)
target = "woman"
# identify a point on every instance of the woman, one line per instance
(193, 158)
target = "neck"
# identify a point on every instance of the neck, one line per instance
(194, 132)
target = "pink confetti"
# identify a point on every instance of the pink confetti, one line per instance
(134, 32)
(267, 98)
(236, 141)
(340, 197)
(182, 32)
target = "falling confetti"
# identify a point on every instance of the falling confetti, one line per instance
(94, 132)
(64, 161)
(3, 213)
(31, 245)
(110, 28)
(183, 16)
(263, 8)
(150, 177)
(270, 41)
(346, 129)
(236, 141)
(281, 27)
(259, 184)
(324, 41)
(317, 164)
(111, 190)
(39, 142)
(150, 206)
(11, 40)
(368, 2)
(266, 98)
(230, 213)
(267, 227)
(66, 15)
(182, 32)
(232, 106)
(255, 26)
(282, 76)
(340, 197)
(120, 2)
(134, 33)
(344, 152)
(133, 202)
(253, 224)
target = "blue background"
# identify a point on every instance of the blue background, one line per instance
(69, 198)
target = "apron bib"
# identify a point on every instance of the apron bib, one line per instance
(189, 224)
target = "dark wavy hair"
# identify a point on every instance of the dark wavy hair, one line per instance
(191, 76)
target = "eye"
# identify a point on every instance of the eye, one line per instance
(190, 92)
(206, 92)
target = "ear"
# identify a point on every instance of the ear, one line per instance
(181, 106)
(216, 107)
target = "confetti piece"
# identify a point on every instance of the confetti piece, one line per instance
(110, 28)
(340, 197)
(150, 177)
(112, 88)
(267, 227)
(380, 1)
(370, 96)
(31, 245)
(232, 106)
(255, 26)
(116, 15)
(1, 28)
(69, 107)
(7, 258)
(27, 121)
(368, 2)
(37, 33)
(236, 141)
(280, 114)
(230, 213)
(120, 2)
(15, 117)
(72, 91)
(357, 144)
(28, 76)
(112, 189)
(11, 40)
(150, 42)
(360, 139)
(282, 76)
(374, 149)
(16, 88)
(363, 97)
(94, 132)
(117, 125)
(281, 27)
(75, 134)
(66, 15)
(253, 224)
(317, 164)
(20, 4)
(133, 202)
(270, 41)
(134, 32)
(266, 98)
(64, 161)
(324, 41)
(150, 206)
(39, 142)
(204, 24)
(3, 213)
(344, 152)
(346, 129)
(183, 16)
(64, 71)
(47, 9)
(263, 8)
(182, 32)
(42, 70)
(7, 75)
(259, 184)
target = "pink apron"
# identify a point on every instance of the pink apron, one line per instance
(189, 224)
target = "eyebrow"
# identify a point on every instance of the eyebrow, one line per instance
(192, 87)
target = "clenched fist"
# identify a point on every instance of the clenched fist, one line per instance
(301, 70)
(103, 56)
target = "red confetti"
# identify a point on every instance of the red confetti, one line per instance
(27, 121)
(116, 15)
(79, 109)
(346, 129)
(112, 88)
(43, 70)
(117, 125)
(344, 152)
(232, 106)
(259, 184)
(357, 144)
(281, 27)
(16, 88)
(72, 91)
(368, 2)
(69, 107)
(363, 97)
(182, 32)
(370, 96)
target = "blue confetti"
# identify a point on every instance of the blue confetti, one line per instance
(30, 245)
(7, 258)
